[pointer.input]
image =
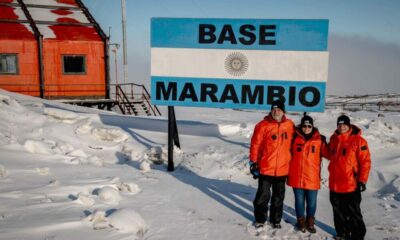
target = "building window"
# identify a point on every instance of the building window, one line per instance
(74, 64)
(8, 63)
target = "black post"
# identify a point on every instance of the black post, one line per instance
(176, 135)
(170, 138)
(173, 137)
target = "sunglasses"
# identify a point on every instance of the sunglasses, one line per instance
(307, 126)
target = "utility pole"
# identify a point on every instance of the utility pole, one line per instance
(114, 50)
(116, 65)
(123, 8)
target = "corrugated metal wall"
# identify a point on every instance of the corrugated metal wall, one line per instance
(59, 85)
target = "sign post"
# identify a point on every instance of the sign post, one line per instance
(173, 137)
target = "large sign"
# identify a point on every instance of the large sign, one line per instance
(239, 63)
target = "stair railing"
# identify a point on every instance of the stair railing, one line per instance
(144, 96)
(153, 108)
(120, 95)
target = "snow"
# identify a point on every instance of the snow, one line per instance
(107, 134)
(68, 172)
(60, 114)
(128, 220)
(109, 195)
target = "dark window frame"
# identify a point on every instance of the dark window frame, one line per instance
(16, 64)
(74, 73)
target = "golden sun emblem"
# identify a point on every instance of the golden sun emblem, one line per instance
(236, 64)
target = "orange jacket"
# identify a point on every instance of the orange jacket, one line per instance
(350, 160)
(270, 146)
(305, 166)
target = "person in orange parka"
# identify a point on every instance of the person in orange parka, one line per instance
(308, 147)
(269, 160)
(350, 163)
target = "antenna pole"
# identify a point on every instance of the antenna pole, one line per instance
(123, 8)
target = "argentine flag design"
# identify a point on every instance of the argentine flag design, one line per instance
(239, 63)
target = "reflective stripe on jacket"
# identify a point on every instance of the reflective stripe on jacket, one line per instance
(270, 146)
(350, 160)
(305, 166)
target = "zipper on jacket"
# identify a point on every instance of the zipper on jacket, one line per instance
(337, 155)
(305, 156)
(277, 152)
(302, 165)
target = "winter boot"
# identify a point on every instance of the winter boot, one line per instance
(301, 224)
(276, 225)
(259, 226)
(342, 236)
(310, 225)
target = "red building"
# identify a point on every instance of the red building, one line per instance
(53, 49)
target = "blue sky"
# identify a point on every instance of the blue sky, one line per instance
(373, 23)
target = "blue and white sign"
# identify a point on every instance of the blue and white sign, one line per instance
(239, 63)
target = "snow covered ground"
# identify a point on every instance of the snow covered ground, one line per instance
(68, 172)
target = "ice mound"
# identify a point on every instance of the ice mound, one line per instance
(78, 153)
(84, 126)
(109, 195)
(109, 134)
(65, 116)
(131, 187)
(98, 219)
(85, 199)
(65, 148)
(156, 155)
(6, 100)
(128, 220)
(91, 160)
(39, 147)
(145, 166)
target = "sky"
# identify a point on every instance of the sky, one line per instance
(364, 35)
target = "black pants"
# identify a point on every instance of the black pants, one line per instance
(347, 215)
(265, 183)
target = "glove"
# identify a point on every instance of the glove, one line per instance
(254, 169)
(361, 186)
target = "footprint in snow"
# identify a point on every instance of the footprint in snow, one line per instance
(387, 228)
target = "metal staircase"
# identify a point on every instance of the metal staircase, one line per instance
(134, 99)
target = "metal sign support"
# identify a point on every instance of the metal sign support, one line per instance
(173, 137)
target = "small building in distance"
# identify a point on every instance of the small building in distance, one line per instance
(52, 49)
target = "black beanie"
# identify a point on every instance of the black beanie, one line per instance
(307, 120)
(278, 104)
(343, 120)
